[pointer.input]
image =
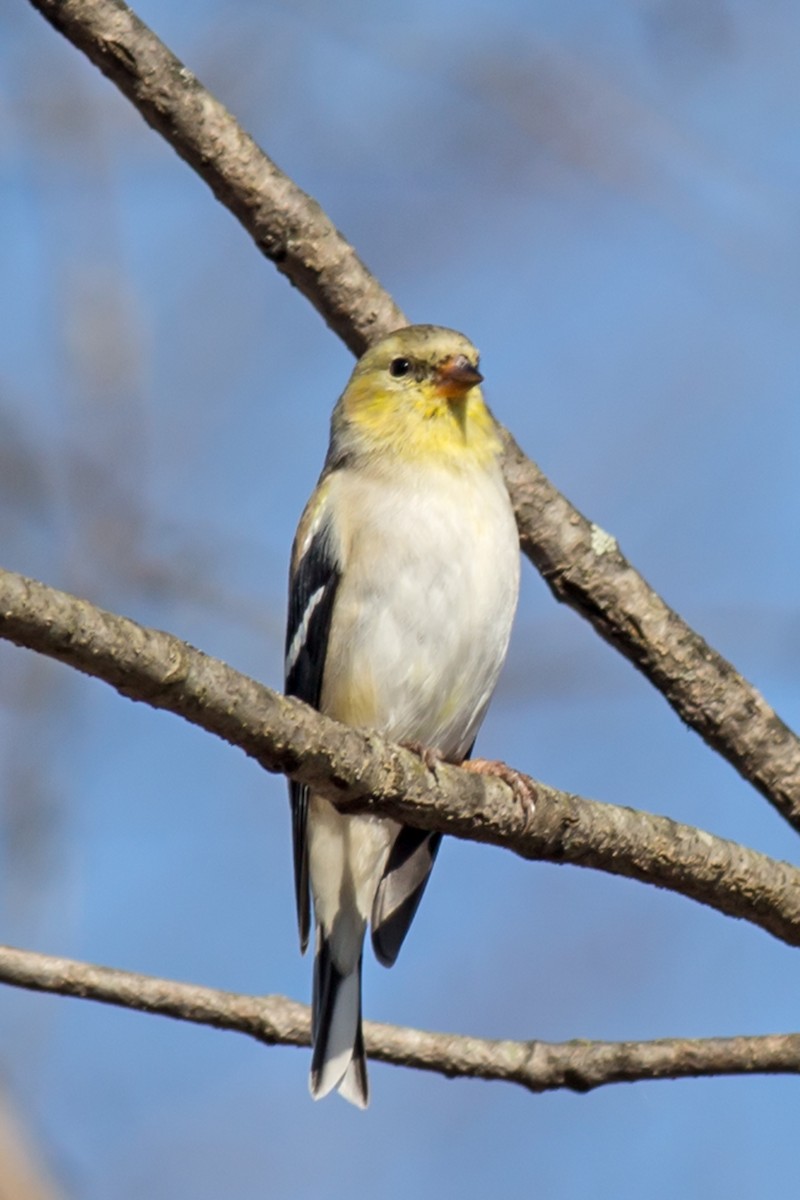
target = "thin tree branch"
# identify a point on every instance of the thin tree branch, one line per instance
(538, 1066)
(363, 772)
(288, 227)
(581, 564)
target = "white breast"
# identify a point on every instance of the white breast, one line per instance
(424, 609)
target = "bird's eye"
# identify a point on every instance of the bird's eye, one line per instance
(399, 367)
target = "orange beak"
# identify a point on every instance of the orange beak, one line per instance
(455, 376)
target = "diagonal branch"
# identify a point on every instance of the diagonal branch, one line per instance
(288, 227)
(363, 772)
(538, 1066)
(581, 564)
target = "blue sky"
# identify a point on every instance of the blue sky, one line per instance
(603, 197)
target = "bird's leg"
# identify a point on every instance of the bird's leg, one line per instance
(522, 788)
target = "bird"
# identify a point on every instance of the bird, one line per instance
(403, 587)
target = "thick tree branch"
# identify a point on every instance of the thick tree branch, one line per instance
(538, 1066)
(361, 771)
(582, 565)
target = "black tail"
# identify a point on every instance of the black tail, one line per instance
(338, 1060)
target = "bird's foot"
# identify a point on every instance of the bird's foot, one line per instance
(521, 786)
(429, 754)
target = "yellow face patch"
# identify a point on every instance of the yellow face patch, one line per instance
(418, 420)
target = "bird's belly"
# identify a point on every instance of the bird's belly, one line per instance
(422, 643)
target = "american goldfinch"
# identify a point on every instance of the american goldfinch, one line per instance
(404, 580)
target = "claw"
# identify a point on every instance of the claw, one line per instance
(429, 754)
(521, 787)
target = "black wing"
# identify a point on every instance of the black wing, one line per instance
(405, 877)
(312, 590)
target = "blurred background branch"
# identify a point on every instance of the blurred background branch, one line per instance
(23, 1171)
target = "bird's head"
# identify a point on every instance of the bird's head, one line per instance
(416, 394)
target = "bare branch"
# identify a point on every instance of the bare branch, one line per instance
(363, 772)
(288, 227)
(582, 565)
(538, 1066)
